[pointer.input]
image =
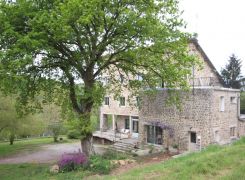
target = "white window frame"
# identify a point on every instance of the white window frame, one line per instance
(222, 103)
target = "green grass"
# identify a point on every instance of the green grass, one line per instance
(213, 163)
(25, 145)
(36, 172)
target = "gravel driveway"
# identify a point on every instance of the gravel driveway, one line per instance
(47, 153)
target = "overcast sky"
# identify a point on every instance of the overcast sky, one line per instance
(220, 25)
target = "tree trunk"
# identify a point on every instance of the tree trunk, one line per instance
(87, 145)
(55, 138)
(11, 139)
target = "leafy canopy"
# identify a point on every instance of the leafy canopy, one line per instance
(52, 45)
(232, 72)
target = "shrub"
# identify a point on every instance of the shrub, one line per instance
(73, 134)
(70, 162)
(113, 155)
(100, 165)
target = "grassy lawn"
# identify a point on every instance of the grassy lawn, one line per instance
(30, 144)
(213, 163)
(36, 172)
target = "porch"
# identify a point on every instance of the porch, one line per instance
(118, 126)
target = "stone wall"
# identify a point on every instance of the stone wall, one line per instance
(114, 107)
(223, 121)
(206, 71)
(199, 113)
(241, 127)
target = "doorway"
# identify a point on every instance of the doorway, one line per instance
(192, 141)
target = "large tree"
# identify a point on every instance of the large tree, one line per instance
(76, 41)
(232, 72)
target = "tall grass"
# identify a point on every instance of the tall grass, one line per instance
(215, 162)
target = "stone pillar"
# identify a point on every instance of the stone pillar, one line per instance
(113, 122)
(130, 124)
(238, 106)
(101, 121)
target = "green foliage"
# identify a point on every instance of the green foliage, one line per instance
(114, 155)
(232, 72)
(11, 125)
(215, 162)
(100, 165)
(242, 102)
(56, 128)
(18, 146)
(37, 172)
(49, 46)
(73, 134)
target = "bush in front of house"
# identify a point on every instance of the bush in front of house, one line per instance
(114, 155)
(72, 161)
(73, 134)
(100, 165)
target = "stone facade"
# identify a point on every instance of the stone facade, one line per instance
(199, 113)
(208, 114)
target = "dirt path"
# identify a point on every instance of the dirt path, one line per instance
(46, 153)
(145, 161)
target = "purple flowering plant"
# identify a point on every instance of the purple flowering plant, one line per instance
(164, 127)
(72, 161)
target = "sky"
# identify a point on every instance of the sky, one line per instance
(220, 25)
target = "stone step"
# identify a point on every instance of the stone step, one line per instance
(120, 150)
(121, 146)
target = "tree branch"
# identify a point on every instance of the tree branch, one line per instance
(72, 91)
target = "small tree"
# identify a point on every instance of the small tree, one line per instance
(242, 103)
(11, 125)
(232, 72)
(55, 128)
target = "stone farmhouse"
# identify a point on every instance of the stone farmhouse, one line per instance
(208, 114)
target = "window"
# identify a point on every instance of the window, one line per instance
(135, 126)
(122, 101)
(104, 80)
(139, 77)
(222, 103)
(121, 78)
(232, 131)
(193, 137)
(233, 100)
(154, 135)
(137, 101)
(127, 123)
(161, 83)
(107, 101)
